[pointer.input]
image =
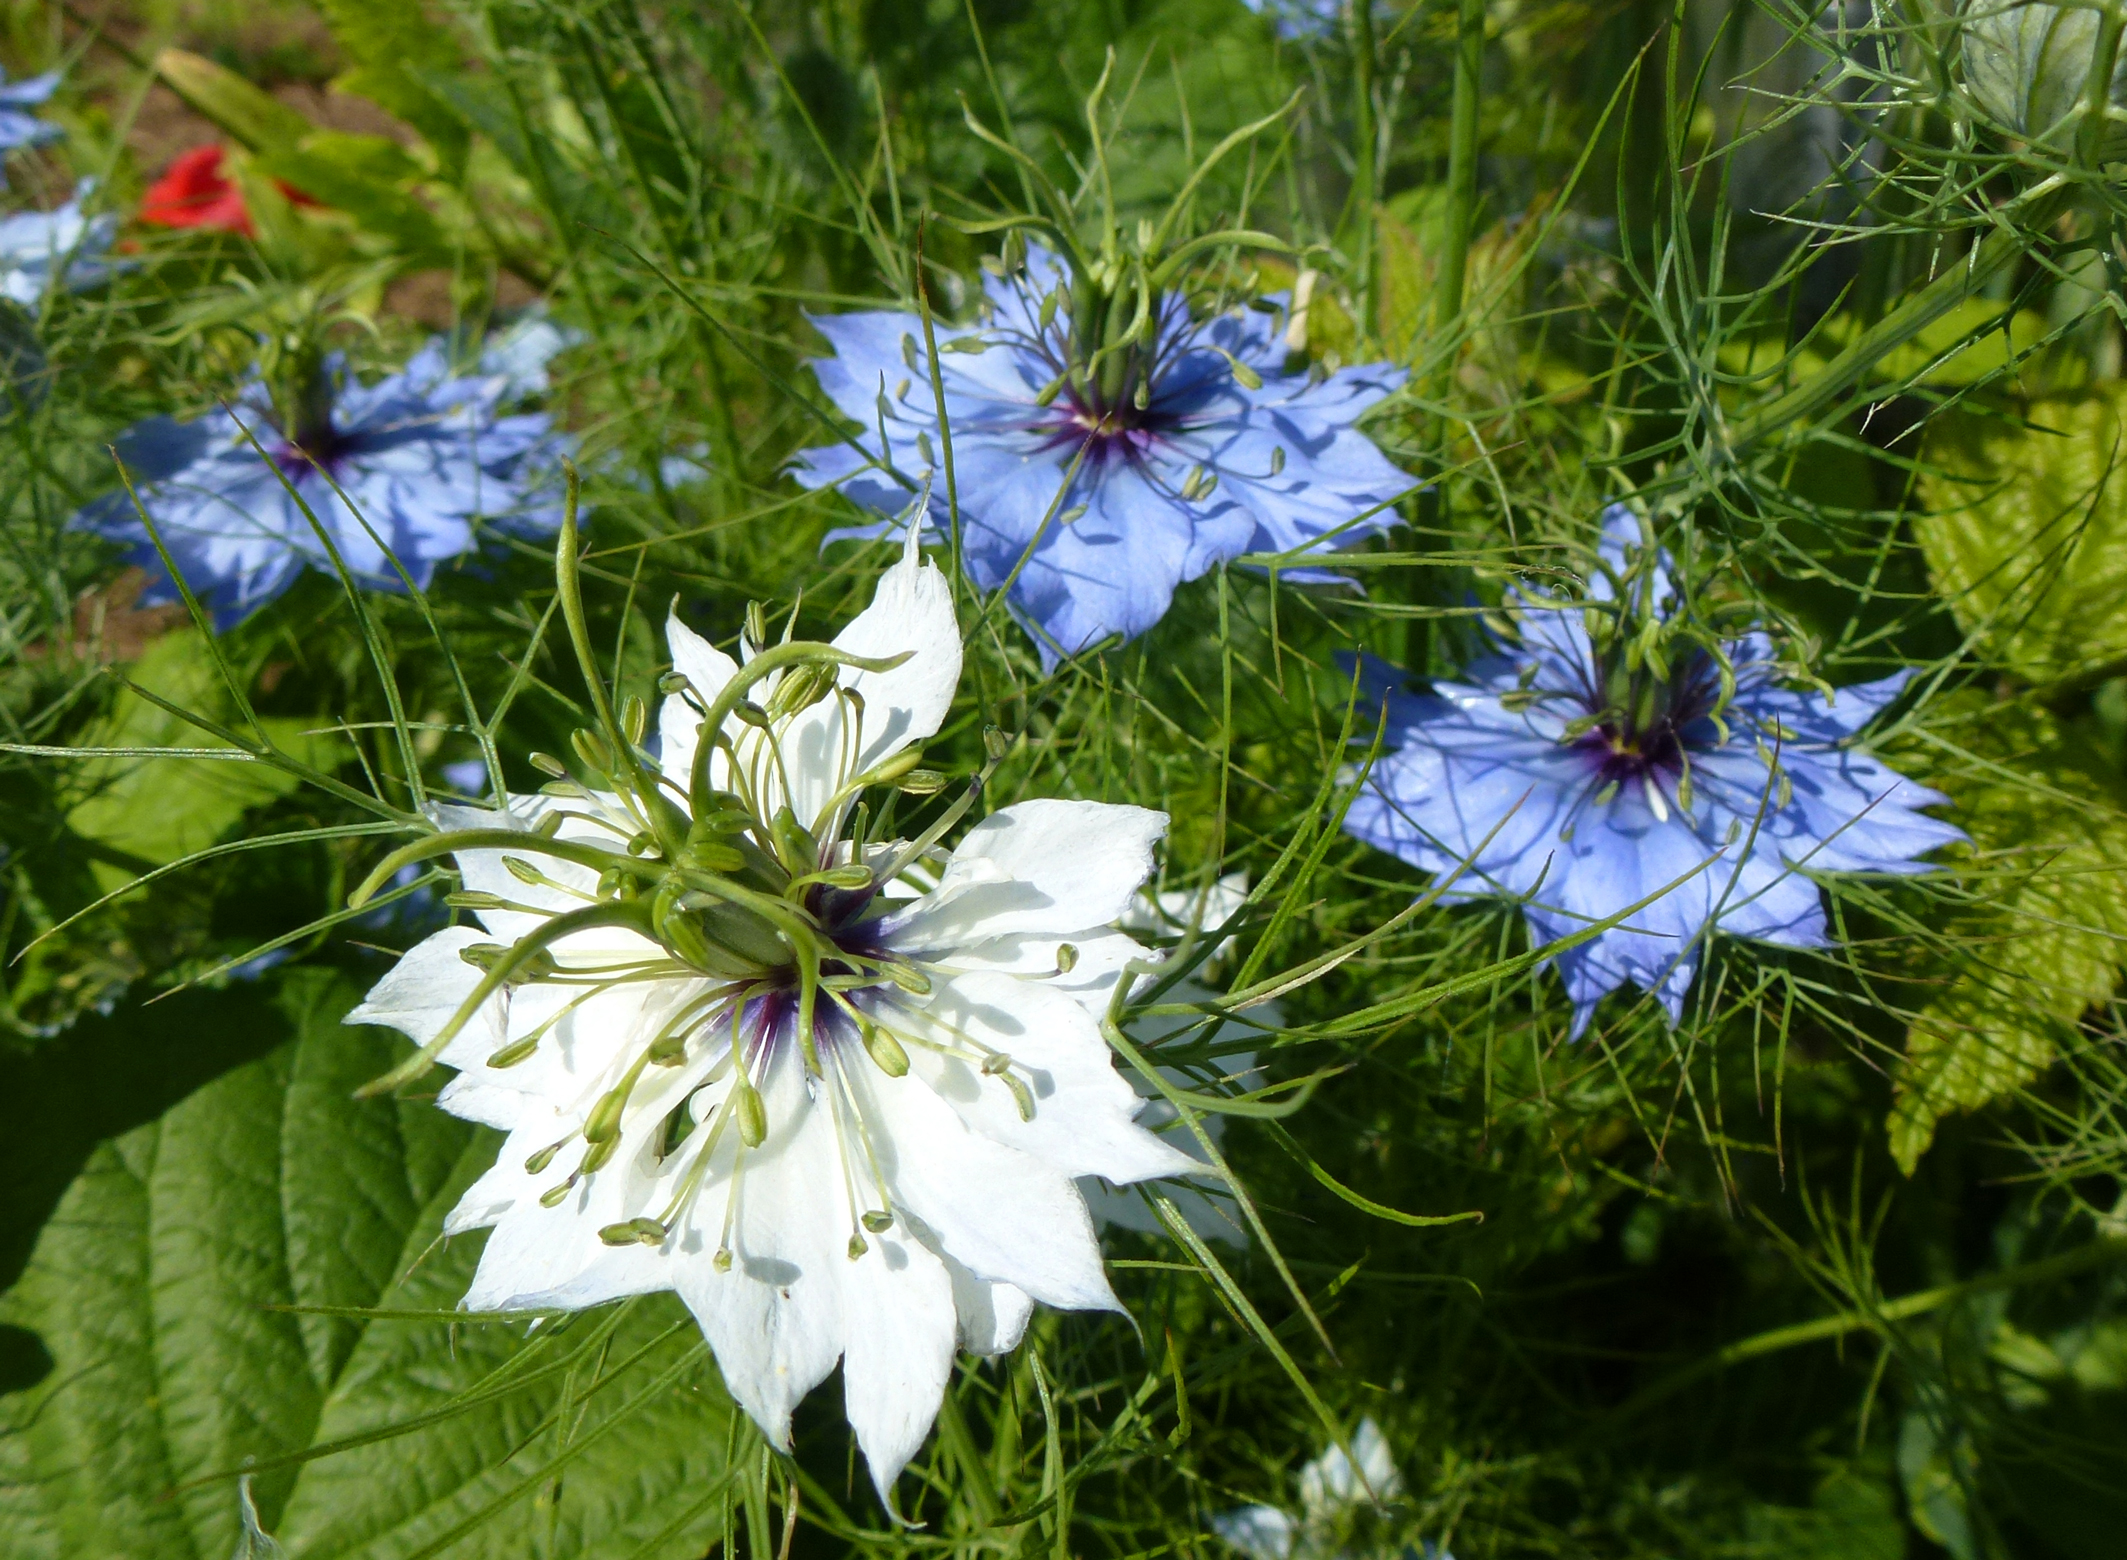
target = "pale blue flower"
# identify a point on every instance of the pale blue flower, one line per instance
(1300, 18)
(37, 247)
(522, 349)
(19, 129)
(1604, 785)
(423, 456)
(1228, 454)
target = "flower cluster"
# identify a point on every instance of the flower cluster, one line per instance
(1583, 777)
(1093, 477)
(830, 1086)
(396, 475)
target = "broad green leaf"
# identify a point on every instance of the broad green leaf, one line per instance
(251, 115)
(2024, 531)
(2053, 853)
(155, 810)
(157, 1287)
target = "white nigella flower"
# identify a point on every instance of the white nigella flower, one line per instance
(830, 1087)
(1334, 1492)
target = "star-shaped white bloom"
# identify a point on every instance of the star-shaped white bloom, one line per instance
(897, 1180)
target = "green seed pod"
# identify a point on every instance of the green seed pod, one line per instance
(2027, 67)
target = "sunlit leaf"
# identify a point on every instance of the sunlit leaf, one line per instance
(161, 1287)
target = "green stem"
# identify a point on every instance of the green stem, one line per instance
(1999, 249)
(2097, 1254)
(1462, 166)
(1365, 156)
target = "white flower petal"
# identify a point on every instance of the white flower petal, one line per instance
(897, 1308)
(1037, 866)
(912, 609)
(678, 723)
(1003, 1215)
(775, 1318)
(418, 995)
(1098, 963)
(1084, 1110)
(993, 1316)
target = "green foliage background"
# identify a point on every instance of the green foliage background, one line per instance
(1831, 1269)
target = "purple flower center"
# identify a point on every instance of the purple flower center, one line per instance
(1648, 724)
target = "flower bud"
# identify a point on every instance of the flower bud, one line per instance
(2027, 67)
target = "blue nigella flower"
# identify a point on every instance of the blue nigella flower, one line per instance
(18, 129)
(423, 455)
(1300, 18)
(1192, 448)
(38, 246)
(1605, 783)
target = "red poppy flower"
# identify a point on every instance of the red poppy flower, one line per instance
(194, 193)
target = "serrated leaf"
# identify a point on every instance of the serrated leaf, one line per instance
(150, 1291)
(2025, 534)
(154, 810)
(2053, 849)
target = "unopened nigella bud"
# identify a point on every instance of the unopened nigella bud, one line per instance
(2027, 67)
